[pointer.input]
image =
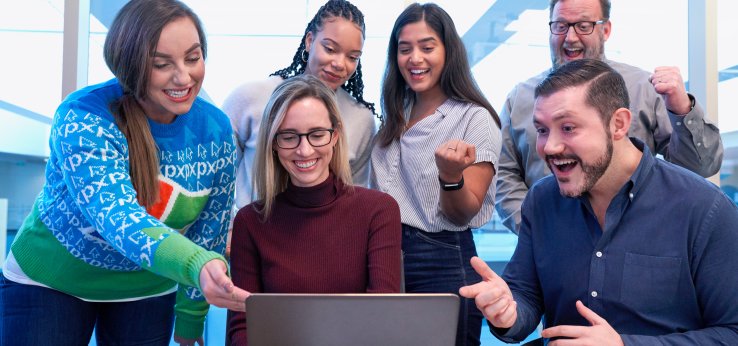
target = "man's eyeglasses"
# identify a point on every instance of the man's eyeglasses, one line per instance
(291, 139)
(581, 28)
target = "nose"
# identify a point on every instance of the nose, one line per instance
(182, 75)
(304, 148)
(571, 35)
(415, 57)
(552, 144)
(338, 64)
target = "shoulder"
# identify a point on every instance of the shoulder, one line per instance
(630, 73)
(348, 104)
(206, 110)
(371, 198)
(95, 99)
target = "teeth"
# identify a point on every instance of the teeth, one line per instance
(177, 93)
(562, 162)
(306, 164)
(418, 71)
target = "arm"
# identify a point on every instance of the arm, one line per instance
(713, 264)
(455, 161)
(385, 250)
(522, 277)
(511, 186)
(361, 138)
(472, 159)
(210, 231)
(695, 143)
(246, 272)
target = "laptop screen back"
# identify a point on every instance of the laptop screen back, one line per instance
(351, 319)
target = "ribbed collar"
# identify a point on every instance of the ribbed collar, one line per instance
(314, 196)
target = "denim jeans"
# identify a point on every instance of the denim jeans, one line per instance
(34, 315)
(439, 263)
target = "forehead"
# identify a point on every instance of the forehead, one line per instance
(568, 104)
(340, 29)
(180, 33)
(417, 31)
(577, 9)
(306, 113)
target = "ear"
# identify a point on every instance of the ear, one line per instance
(308, 41)
(620, 123)
(607, 28)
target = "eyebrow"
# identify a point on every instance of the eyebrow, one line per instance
(338, 44)
(196, 45)
(424, 40)
(554, 119)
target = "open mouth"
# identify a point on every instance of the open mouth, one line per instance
(178, 94)
(306, 164)
(563, 165)
(418, 72)
(572, 53)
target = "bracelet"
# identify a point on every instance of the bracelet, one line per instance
(451, 186)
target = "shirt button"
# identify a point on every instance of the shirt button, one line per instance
(598, 253)
(594, 294)
(630, 195)
(679, 123)
(689, 122)
(699, 144)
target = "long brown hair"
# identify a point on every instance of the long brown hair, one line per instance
(129, 47)
(456, 79)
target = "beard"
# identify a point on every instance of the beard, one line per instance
(558, 57)
(592, 172)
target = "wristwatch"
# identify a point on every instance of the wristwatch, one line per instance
(446, 186)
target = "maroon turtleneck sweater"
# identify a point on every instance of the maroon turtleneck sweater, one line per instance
(321, 239)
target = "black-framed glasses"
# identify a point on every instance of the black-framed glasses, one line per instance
(581, 28)
(291, 139)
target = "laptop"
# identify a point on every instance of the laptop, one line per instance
(406, 319)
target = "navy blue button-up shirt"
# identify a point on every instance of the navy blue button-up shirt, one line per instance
(663, 271)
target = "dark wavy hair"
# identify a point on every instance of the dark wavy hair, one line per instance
(331, 9)
(456, 80)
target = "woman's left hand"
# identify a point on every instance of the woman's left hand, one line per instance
(453, 157)
(189, 342)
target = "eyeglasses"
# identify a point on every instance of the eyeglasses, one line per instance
(581, 28)
(291, 139)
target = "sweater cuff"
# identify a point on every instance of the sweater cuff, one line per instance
(190, 315)
(178, 258)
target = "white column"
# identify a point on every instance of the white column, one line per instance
(3, 228)
(76, 45)
(703, 68)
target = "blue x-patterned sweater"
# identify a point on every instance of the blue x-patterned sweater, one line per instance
(89, 237)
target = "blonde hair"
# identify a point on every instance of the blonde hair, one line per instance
(270, 178)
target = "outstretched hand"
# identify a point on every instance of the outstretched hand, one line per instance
(218, 288)
(599, 333)
(492, 296)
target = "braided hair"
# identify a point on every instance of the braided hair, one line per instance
(331, 9)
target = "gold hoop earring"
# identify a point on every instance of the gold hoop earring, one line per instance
(304, 56)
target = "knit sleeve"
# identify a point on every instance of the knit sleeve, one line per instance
(95, 171)
(384, 251)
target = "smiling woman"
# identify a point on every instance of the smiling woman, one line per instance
(121, 238)
(296, 237)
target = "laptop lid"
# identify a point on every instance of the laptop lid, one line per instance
(352, 319)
